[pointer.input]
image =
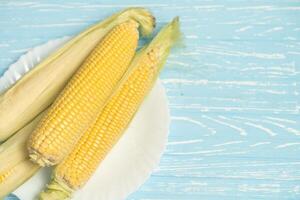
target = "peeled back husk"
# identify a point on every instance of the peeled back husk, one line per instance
(15, 166)
(19, 174)
(14, 150)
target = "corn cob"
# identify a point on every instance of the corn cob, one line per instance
(98, 140)
(15, 167)
(38, 88)
(84, 96)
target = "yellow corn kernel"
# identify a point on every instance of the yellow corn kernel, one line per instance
(84, 96)
(4, 175)
(75, 170)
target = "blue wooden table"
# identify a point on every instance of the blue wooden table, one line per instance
(233, 90)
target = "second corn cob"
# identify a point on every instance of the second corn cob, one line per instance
(84, 96)
(98, 140)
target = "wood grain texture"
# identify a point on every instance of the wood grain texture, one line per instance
(233, 90)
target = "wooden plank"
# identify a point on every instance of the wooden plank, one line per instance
(233, 90)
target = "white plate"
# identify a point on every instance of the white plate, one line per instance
(133, 158)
